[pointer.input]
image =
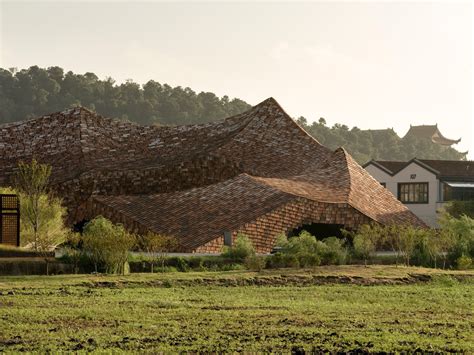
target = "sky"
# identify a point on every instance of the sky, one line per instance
(374, 64)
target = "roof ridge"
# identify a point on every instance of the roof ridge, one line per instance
(345, 155)
(275, 102)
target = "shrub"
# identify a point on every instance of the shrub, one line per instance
(280, 260)
(460, 208)
(430, 246)
(422, 254)
(308, 260)
(305, 251)
(304, 248)
(458, 234)
(242, 249)
(107, 244)
(169, 269)
(255, 263)
(232, 267)
(464, 262)
(335, 252)
(181, 264)
(445, 280)
(72, 251)
(198, 263)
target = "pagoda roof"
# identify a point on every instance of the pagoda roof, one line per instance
(430, 132)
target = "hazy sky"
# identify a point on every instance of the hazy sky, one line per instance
(366, 64)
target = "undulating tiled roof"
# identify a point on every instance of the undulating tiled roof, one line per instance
(195, 181)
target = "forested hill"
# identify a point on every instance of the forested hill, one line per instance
(36, 91)
(33, 92)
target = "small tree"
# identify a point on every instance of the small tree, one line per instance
(32, 182)
(118, 248)
(157, 246)
(447, 237)
(426, 251)
(364, 247)
(393, 237)
(434, 245)
(408, 239)
(94, 244)
(108, 244)
(366, 240)
(50, 231)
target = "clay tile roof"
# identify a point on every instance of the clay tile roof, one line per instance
(199, 215)
(455, 169)
(393, 166)
(444, 169)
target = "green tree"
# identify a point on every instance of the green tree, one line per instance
(366, 240)
(157, 246)
(32, 182)
(409, 236)
(42, 216)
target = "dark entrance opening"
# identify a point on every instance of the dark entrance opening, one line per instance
(319, 230)
(79, 226)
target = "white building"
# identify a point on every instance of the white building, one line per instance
(425, 185)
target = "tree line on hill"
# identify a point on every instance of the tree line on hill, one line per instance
(35, 91)
(32, 92)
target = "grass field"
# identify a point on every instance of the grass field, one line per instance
(329, 308)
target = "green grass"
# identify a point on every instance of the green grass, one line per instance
(204, 312)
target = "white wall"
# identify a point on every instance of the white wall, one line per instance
(425, 211)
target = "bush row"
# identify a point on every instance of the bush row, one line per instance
(105, 247)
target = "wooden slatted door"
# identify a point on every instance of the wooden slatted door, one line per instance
(10, 220)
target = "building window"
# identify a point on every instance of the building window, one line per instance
(458, 191)
(413, 192)
(228, 238)
(383, 184)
